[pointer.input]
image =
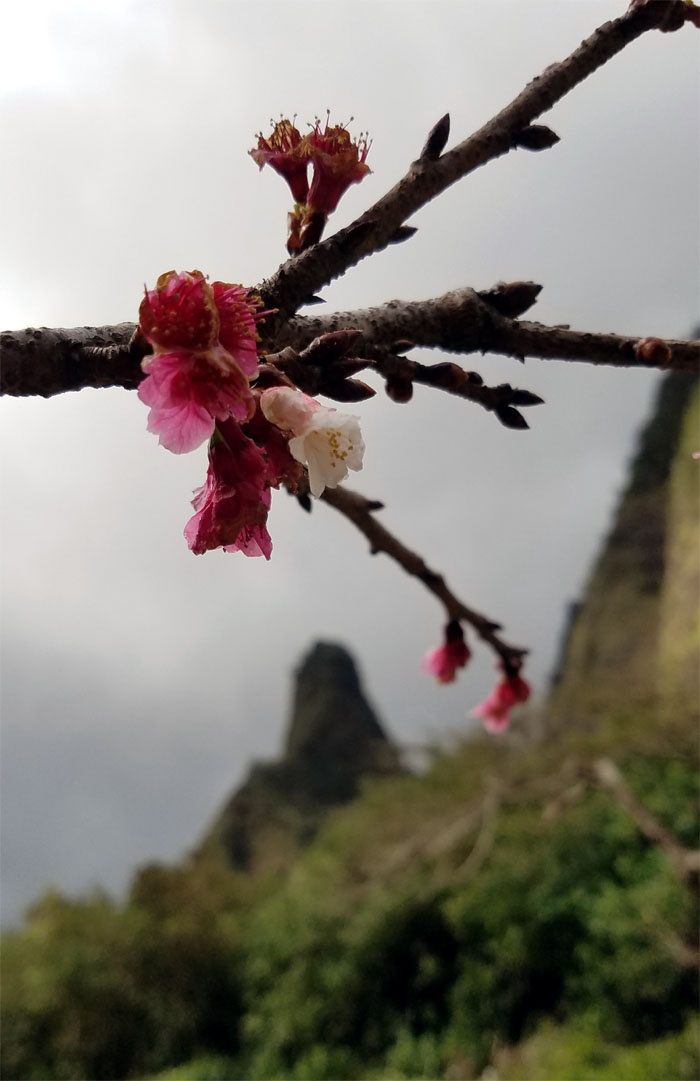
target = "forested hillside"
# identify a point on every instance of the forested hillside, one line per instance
(523, 909)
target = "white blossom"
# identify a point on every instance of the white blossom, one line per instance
(327, 442)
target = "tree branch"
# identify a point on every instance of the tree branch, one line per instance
(685, 861)
(47, 362)
(462, 321)
(360, 511)
(302, 277)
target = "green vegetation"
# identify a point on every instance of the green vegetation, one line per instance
(504, 915)
(390, 951)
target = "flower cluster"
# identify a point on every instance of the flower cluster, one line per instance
(200, 384)
(444, 661)
(336, 160)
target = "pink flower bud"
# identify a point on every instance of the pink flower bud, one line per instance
(443, 661)
(231, 506)
(495, 710)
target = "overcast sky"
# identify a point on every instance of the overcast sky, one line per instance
(140, 680)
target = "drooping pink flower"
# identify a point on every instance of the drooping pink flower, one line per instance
(205, 353)
(337, 163)
(443, 661)
(495, 710)
(231, 506)
(285, 152)
(329, 443)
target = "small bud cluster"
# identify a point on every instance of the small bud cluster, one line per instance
(511, 690)
(336, 160)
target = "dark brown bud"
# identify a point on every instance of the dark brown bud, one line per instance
(535, 137)
(402, 346)
(348, 366)
(512, 298)
(300, 374)
(437, 138)
(511, 418)
(347, 390)
(398, 389)
(524, 397)
(653, 352)
(304, 501)
(329, 347)
(446, 373)
(404, 232)
(668, 15)
(271, 376)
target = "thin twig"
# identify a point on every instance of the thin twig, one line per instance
(360, 511)
(486, 836)
(461, 321)
(685, 861)
(304, 275)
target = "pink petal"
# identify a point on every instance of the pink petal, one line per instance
(181, 427)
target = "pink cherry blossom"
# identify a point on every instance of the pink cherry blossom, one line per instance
(443, 661)
(285, 152)
(329, 443)
(180, 313)
(231, 506)
(187, 392)
(495, 710)
(337, 162)
(205, 353)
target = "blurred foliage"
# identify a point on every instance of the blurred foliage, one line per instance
(576, 1053)
(499, 916)
(92, 990)
(386, 953)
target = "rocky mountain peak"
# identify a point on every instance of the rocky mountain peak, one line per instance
(333, 740)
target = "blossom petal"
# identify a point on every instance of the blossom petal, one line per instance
(180, 312)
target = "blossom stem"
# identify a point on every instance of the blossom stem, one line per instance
(360, 511)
